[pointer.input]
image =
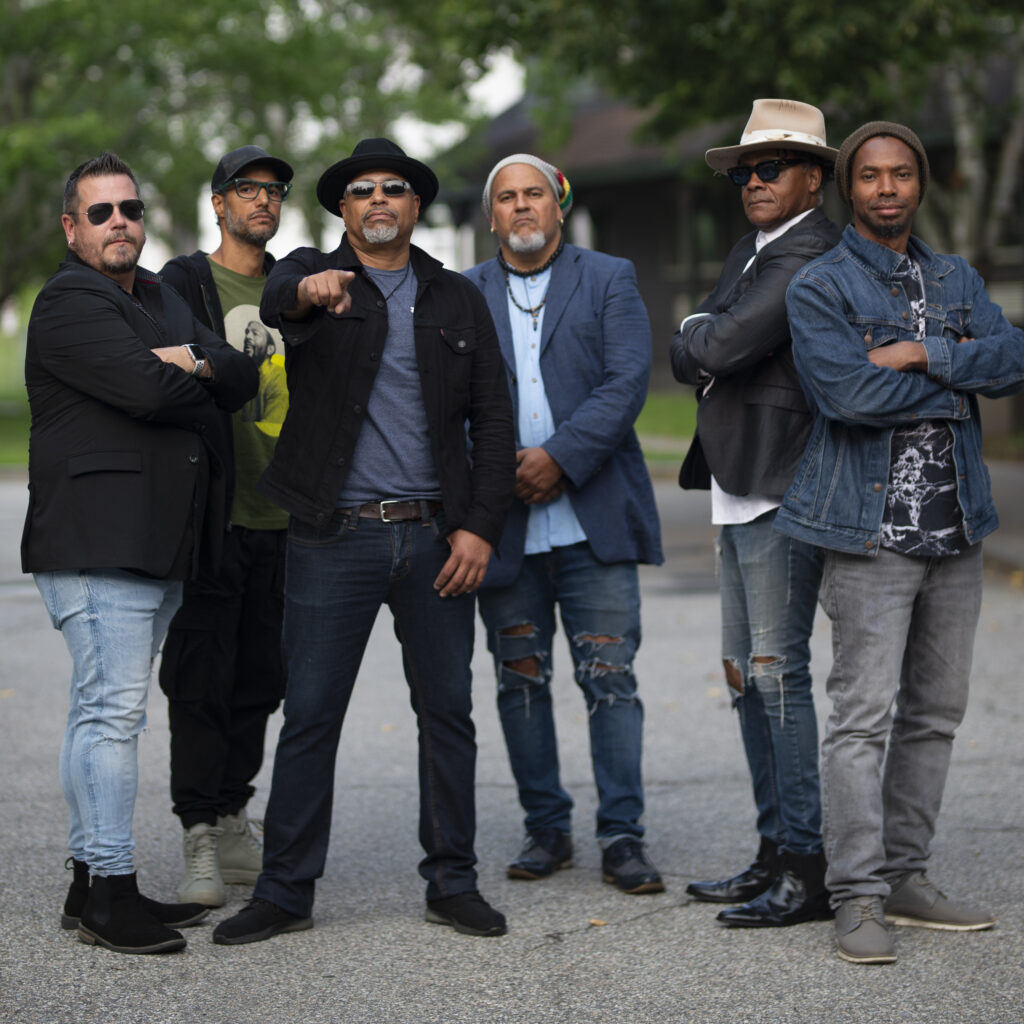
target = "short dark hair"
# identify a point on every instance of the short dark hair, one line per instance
(99, 166)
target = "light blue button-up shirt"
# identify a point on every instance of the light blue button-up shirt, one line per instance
(554, 524)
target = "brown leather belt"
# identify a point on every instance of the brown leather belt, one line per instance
(394, 511)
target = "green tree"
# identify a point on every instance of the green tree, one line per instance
(168, 86)
(697, 61)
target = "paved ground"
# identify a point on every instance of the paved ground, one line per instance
(577, 951)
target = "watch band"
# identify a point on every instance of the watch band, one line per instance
(198, 359)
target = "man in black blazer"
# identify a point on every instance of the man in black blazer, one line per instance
(126, 484)
(752, 425)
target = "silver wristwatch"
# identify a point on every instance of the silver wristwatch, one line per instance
(198, 358)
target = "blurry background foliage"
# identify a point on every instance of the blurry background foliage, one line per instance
(169, 86)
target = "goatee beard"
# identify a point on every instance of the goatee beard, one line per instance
(527, 244)
(380, 234)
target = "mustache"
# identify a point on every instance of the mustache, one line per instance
(373, 213)
(888, 203)
(118, 236)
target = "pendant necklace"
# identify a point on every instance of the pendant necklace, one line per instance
(507, 268)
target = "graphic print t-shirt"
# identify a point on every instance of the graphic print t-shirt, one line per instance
(922, 514)
(258, 423)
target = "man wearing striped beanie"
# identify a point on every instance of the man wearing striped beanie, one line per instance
(576, 342)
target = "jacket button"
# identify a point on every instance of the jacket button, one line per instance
(341, 461)
(905, 315)
(895, 291)
(379, 303)
(193, 459)
(869, 544)
(461, 343)
(357, 409)
(373, 357)
(878, 487)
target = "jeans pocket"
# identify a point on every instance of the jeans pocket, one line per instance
(321, 535)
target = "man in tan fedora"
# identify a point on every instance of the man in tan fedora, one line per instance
(752, 425)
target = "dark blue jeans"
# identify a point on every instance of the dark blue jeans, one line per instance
(600, 607)
(337, 577)
(769, 595)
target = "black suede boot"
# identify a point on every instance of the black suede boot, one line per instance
(114, 917)
(797, 894)
(174, 915)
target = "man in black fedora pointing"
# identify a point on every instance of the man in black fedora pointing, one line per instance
(390, 358)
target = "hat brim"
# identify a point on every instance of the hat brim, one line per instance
(330, 189)
(724, 157)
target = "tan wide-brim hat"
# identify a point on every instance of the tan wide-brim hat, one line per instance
(777, 124)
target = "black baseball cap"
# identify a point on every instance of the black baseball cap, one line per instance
(231, 163)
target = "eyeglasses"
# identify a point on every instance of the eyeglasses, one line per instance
(249, 188)
(392, 187)
(767, 170)
(100, 213)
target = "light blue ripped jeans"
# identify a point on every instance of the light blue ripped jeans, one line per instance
(113, 623)
(600, 609)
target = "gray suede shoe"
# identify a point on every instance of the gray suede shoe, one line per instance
(917, 903)
(861, 935)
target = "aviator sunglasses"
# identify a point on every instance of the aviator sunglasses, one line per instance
(100, 213)
(392, 187)
(767, 170)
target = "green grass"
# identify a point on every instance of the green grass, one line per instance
(668, 414)
(668, 418)
(14, 424)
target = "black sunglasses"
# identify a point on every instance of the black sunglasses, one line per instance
(766, 170)
(100, 213)
(392, 187)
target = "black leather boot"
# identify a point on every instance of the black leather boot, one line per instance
(114, 917)
(797, 894)
(174, 915)
(744, 886)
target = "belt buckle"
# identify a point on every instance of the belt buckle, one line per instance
(383, 510)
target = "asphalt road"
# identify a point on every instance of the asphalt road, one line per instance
(577, 950)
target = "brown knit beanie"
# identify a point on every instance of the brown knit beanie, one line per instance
(870, 131)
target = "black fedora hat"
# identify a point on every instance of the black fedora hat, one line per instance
(369, 155)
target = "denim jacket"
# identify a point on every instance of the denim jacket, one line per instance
(842, 305)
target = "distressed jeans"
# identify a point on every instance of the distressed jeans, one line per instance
(337, 577)
(600, 608)
(769, 592)
(902, 640)
(113, 622)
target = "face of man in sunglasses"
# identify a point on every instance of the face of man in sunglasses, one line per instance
(380, 219)
(113, 247)
(251, 221)
(770, 204)
(524, 211)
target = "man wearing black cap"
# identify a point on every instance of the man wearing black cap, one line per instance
(893, 343)
(222, 668)
(390, 358)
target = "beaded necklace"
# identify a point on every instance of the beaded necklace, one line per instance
(507, 268)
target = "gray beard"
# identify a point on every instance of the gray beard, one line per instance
(533, 242)
(379, 234)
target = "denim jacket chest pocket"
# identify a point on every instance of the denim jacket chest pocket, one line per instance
(455, 356)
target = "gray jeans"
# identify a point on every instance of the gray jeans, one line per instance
(902, 642)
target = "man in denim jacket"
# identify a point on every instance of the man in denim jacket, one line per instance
(893, 343)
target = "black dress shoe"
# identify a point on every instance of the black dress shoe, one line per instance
(798, 894)
(625, 865)
(746, 885)
(545, 851)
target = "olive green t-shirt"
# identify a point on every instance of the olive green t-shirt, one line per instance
(258, 423)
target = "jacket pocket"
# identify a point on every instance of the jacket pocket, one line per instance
(105, 462)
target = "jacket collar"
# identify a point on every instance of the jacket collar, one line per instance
(141, 273)
(424, 266)
(884, 263)
(566, 273)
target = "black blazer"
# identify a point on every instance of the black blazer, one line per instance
(120, 440)
(753, 421)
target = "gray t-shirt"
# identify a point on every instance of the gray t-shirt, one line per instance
(392, 457)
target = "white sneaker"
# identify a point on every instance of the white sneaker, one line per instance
(202, 882)
(240, 853)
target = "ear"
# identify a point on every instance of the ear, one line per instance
(217, 201)
(814, 177)
(68, 223)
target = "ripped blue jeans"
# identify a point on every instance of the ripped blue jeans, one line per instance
(600, 609)
(769, 595)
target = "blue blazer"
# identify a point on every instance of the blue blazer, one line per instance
(596, 363)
